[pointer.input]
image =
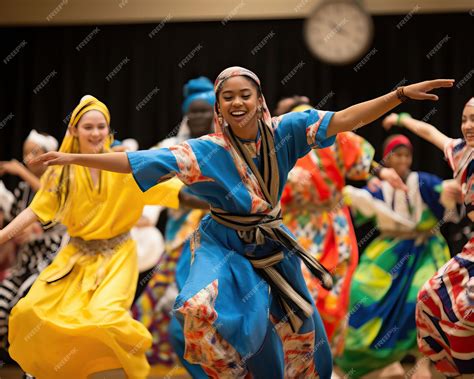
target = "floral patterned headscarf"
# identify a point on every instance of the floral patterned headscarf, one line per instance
(229, 73)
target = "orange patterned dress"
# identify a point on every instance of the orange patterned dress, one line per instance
(314, 211)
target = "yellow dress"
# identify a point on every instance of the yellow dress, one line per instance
(75, 320)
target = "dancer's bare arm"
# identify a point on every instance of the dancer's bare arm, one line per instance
(20, 222)
(420, 128)
(14, 167)
(117, 162)
(364, 113)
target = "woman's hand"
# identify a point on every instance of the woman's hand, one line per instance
(391, 176)
(390, 121)
(31, 232)
(419, 91)
(451, 194)
(53, 158)
(12, 167)
(19, 223)
(374, 184)
(452, 189)
(23, 236)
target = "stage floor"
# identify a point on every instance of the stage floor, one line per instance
(11, 372)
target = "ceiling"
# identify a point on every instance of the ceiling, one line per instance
(65, 12)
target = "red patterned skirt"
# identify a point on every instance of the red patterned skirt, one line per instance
(445, 315)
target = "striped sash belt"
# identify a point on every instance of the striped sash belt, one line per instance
(254, 229)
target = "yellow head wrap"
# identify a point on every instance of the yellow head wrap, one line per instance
(87, 103)
(60, 180)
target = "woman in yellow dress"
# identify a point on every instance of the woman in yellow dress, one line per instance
(75, 320)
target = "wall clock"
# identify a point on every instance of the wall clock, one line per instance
(339, 31)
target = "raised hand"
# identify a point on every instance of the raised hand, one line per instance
(374, 184)
(390, 121)
(419, 91)
(12, 167)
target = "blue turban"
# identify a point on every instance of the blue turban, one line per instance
(198, 89)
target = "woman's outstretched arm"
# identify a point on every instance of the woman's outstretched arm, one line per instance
(364, 113)
(117, 162)
(420, 128)
(14, 167)
(20, 222)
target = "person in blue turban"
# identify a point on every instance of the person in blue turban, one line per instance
(198, 106)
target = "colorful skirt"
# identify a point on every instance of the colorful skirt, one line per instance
(383, 297)
(32, 258)
(331, 239)
(233, 327)
(445, 315)
(153, 308)
(175, 328)
(80, 323)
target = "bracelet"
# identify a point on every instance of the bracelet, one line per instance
(400, 118)
(401, 95)
(376, 168)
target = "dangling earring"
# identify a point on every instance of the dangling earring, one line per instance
(220, 119)
(260, 112)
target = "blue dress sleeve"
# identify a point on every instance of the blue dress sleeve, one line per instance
(430, 190)
(150, 167)
(305, 131)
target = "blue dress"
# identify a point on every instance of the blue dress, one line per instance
(234, 326)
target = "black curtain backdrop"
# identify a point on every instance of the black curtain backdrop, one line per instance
(45, 71)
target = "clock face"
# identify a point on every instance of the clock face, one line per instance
(338, 32)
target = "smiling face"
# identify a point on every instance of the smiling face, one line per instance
(467, 125)
(91, 131)
(238, 102)
(400, 159)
